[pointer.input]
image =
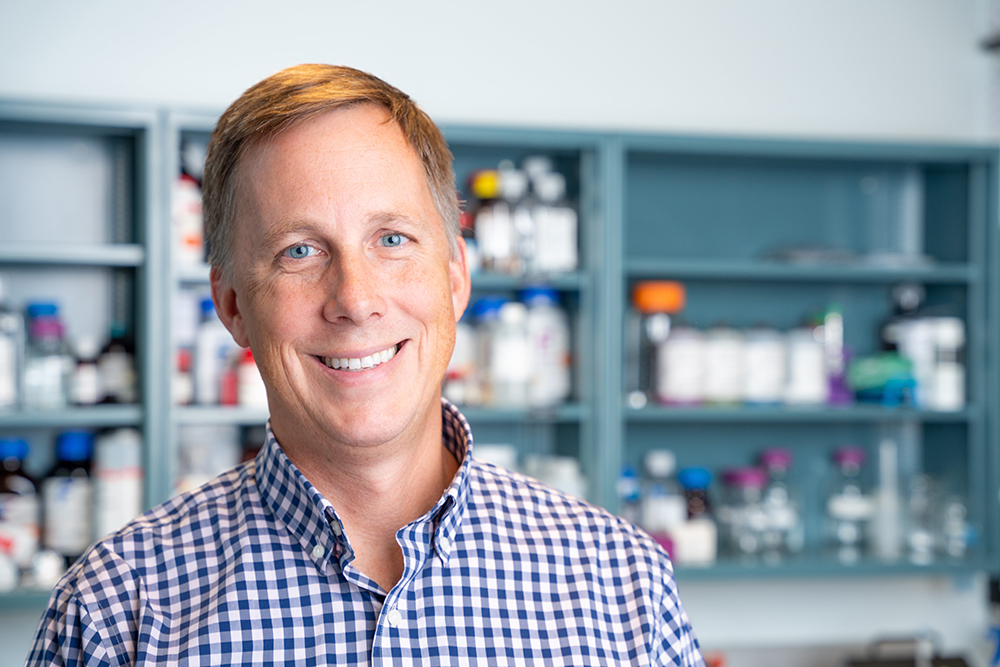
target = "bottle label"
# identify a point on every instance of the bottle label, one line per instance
(67, 514)
(19, 530)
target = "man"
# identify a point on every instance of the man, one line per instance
(364, 532)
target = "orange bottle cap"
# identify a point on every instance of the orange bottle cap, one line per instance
(658, 296)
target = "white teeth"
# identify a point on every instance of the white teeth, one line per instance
(364, 363)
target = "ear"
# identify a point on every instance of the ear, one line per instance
(227, 306)
(461, 283)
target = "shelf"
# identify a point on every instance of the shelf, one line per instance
(495, 281)
(93, 416)
(121, 254)
(568, 413)
(781, 272)
(826, 566)
(791, 415)
(211, 414)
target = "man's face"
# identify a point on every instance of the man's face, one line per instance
(343, 284)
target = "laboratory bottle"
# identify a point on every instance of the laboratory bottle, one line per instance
(549, 337)
(86, 386)
(493, 225)
(555, 225)
(12, 353)
(48, 363)
(764, 369)
(67, 496)
(20, 513)
(514, 189)
(724, 349)
(117, 479)
(921, 529)
(214, 349)
(784, 532)
(188, 221)
(742, 519)
(461, 379)
(664, 506)
(486, 314)
(511, 358)
(696, 540)
(680, 367)
(835, 353)
(116, 366)
(251, 391)
(630, 496)
(807, 383)
(948, 380)
(654, 303)
(849, 506)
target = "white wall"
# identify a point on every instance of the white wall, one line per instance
(886, 69)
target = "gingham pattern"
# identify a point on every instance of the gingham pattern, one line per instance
(255, 568)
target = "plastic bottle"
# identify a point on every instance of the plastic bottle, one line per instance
(511, 360)
(764, 372)
(116, 366)
(251, 390)
(20, 513)
(724, 349)
(849, 506)
(948, 382)
(486, 313)
(630, 496)
(654, 303)
(213, 349)
(48, 363)
(664, 506)
(680, 367)
(494, 229)
(838, 393)
(549, 337)
(807, 383)
(67, 496)
(462, 383)
(555, 223)
(117, 478)
(86, 386)
(696, 540)
(784, 534)
(12, 353)
(188, 221)
(742, 518)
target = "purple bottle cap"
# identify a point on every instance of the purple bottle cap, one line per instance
(849, 454)
(776, 456)
(744, 478)
(45, 327)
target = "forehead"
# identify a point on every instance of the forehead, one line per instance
(354, 156)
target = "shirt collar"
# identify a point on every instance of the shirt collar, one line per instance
(313, 521)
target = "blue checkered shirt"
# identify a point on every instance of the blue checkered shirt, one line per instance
(255, 567)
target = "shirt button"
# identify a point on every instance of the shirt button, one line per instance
(444, 544)
(318, 551)
(336, 528)
(394, 618)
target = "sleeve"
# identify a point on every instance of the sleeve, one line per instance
(675, 643)
(66, 635)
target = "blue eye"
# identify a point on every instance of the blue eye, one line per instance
(393, 240)
(300, 251)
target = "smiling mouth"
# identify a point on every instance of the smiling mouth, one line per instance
(362, 363)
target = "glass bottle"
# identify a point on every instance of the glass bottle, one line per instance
(741, 517)
(67, 496)
(664, 506)
(849, 507)
(784, 534)
(12, 351)
(549, 337)
(647, 327)
(48, 363)
(19, 508)
(696, 540)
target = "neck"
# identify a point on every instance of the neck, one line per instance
(377, 490)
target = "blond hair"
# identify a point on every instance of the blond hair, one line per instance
(297, 94)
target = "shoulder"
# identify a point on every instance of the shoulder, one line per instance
(539, 514)
(183, 528)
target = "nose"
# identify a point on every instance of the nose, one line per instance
(354, 293)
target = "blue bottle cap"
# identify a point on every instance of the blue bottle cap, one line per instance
(488, 307)
(694, 478)
(11, 448)
(74, 445)
(207, 305)
(42, 309)
(538, 295)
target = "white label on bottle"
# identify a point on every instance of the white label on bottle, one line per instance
(68, 510)
(19, 526)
